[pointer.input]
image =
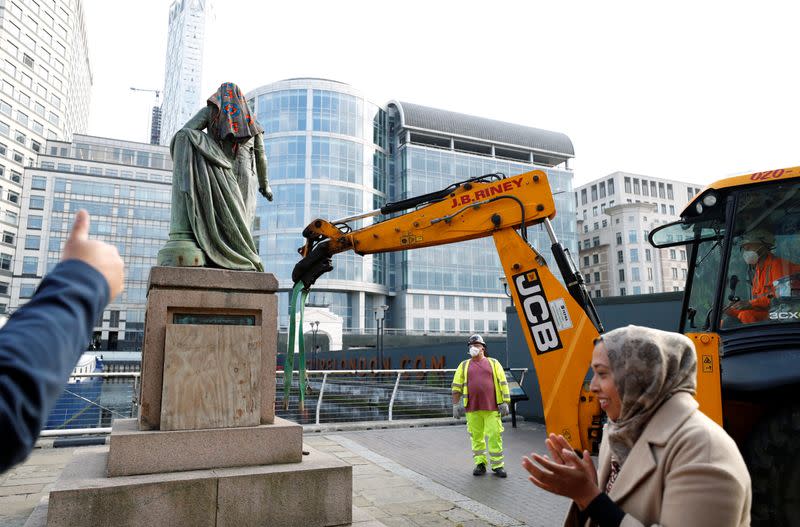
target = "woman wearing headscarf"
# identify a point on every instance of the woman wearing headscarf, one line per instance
(662, 461)
(216, 175)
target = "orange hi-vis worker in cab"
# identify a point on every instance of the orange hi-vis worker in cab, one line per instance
(756, 251)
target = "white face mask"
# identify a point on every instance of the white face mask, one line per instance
(474, 351)
(750, 257)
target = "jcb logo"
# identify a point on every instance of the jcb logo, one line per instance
(537, 312)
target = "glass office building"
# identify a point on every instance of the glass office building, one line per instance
(326, 148)
(332, 154)
(126, 187)
(456, 288)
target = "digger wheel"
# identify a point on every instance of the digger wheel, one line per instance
(773, 458)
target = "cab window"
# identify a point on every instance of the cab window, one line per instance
(763, 278)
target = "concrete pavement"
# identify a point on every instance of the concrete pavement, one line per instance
(418, 476)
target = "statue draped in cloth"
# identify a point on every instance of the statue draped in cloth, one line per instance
(214, 181)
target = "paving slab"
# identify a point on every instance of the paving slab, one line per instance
(442, 455)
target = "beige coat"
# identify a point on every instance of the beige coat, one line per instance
(684, 471)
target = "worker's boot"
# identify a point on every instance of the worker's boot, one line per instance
(479, 470)
(499, 472)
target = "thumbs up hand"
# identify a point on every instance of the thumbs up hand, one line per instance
(102, 256)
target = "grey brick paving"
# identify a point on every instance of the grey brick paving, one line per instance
(442, 455)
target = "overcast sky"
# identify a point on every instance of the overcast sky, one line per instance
(693, 91)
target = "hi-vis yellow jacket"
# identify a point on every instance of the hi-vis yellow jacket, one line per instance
(498, 375)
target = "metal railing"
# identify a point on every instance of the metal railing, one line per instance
(346, 396)
(332, 396)
(90, 401)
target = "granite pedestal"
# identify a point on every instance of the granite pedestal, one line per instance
(207, 449)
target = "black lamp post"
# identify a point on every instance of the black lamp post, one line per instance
(504, 281)
(314, 329)
(380, 312)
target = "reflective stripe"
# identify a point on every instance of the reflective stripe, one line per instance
(454, 385)
(477, 452)
(496, 454)
(503, 383)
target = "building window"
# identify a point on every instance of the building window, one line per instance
(3, 288)
(619, 238)
(419, 324)
(675, 272)
(636, 189)
(450, 303)
(628, 185)
(620, 258)
(602, 188)
(586, 261)
(635, 274)
(621, 291)
(594, 192)
(35, 222)
(596, 276)
(663, 209)
(583, 196)
(32, 242)
(672, 209)
(632, 236)
(622, 275)
(661, 193)
(30, 264)
(637, 290)
(669, 191)
(5, 261)
(683, 255)
(605, 223)
(650, 289)
(649, 273)
(463, 303)
(477, 304)
(433, 302)
(647, 257)
(38, 183)
(672, 254)
(463, 325)
(596, 226)
(418, 301)
(27, 290)
(595, 241)
(37, 202)
(13, 197)
(587, 278)
(610, 187)
(634, 255)
(594, 210)
(598, 293)
(595, 258)
(645, 191)
(8, 238)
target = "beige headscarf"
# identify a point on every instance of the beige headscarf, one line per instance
(649, 367)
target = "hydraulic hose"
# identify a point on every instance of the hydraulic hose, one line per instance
(288, 363)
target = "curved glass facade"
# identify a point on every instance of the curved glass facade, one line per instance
(322, 144)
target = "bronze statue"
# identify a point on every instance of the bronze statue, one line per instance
(214, 181)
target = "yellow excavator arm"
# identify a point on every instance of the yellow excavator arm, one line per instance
(560, 324)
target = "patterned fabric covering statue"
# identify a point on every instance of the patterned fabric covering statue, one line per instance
(214, 182)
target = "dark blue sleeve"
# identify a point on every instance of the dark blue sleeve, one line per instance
(39, 346)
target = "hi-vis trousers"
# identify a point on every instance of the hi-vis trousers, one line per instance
(482, 424)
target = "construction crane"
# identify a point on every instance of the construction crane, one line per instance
(155, 117)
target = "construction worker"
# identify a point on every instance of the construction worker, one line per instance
(757, 246)
(480, 391)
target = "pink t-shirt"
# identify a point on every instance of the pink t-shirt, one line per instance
(480, 386)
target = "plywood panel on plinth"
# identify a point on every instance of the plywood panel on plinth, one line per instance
(212, 377)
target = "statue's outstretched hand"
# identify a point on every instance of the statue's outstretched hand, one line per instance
(266, 191)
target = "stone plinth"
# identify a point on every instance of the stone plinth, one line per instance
(199, 393)
(316, 492)
(133, 451)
